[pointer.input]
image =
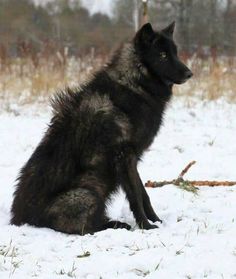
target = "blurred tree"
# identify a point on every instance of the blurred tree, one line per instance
(128, 12)
(202, 26)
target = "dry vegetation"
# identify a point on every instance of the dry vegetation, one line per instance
(30, 78)
(213, 78)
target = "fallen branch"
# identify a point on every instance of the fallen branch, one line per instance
(184, 171)
(188, 185)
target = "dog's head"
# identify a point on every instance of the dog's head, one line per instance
(158, 52)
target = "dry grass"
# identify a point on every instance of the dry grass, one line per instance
(213, 79)
(24, 80)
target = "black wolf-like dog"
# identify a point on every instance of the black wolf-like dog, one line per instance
(96, 137)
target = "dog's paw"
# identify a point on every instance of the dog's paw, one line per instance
(148, 226)
(156, 219)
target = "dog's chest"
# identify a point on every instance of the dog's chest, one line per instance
(145, 127)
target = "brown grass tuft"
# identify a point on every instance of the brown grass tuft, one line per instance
(212, 79)
(28, 79)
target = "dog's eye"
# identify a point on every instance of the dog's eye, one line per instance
(163, 55)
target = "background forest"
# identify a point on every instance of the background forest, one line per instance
(63, 38)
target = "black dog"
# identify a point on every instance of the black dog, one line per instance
(96, 137)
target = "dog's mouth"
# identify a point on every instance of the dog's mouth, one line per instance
(170, 81)
(187, 75)
(179, 81)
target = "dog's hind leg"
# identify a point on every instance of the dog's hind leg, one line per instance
(78, 211)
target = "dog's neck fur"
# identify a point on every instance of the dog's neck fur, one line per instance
(138, 79)
(121, 63)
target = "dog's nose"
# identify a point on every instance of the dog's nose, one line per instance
(188, 74)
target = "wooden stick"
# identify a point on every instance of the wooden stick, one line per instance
(180, 181)
(145, 12)
(184, 171)
(211, 183)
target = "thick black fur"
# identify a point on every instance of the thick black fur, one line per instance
(96, 137)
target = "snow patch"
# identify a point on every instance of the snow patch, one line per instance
(197, 237)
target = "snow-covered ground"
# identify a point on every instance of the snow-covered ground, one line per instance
(198, 236)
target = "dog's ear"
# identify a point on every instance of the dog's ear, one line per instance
(169, 30)
(145, 35)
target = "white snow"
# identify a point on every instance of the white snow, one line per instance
(198, 236)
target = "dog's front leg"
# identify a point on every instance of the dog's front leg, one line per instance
(127, 173)
(151, 215)
(148, 209)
